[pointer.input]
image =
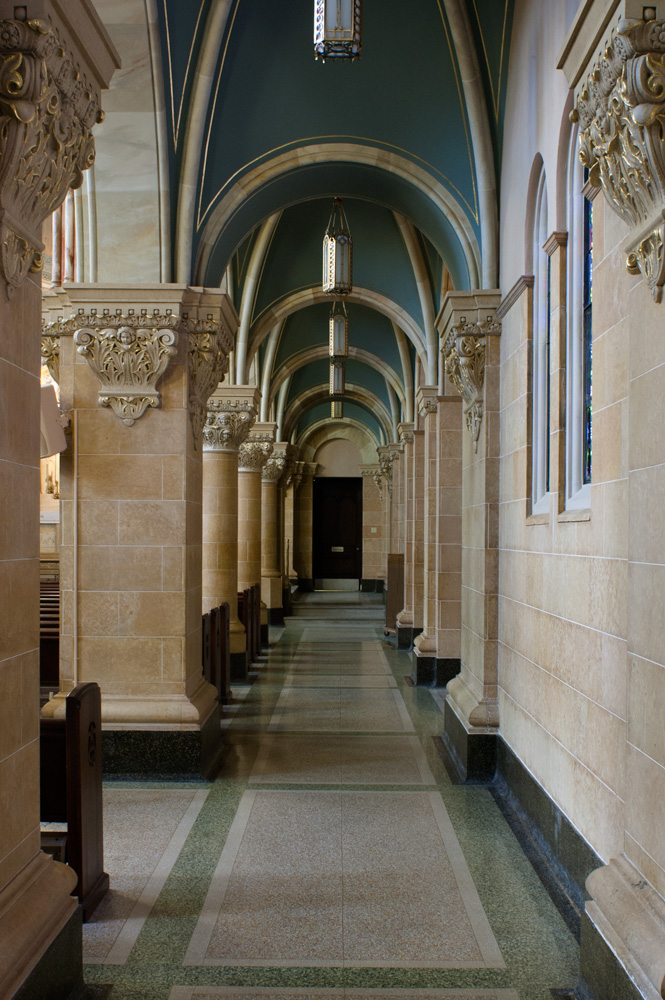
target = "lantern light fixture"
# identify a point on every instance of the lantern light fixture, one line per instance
(339, 330)
(337, 29)
(337, 253)
(337, 377)
(337, 409)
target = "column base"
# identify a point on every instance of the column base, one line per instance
(275, 617)
(40, 933)
(472, 752)
(59, 973)
(405, 635)
(156, 753)
(239, 666)
(433, 671)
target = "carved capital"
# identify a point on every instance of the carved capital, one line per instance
(209, 347)
(51, 353)
(620, 110)
(405, 433)
(426, 400)
(274, 469)
(228, 423)
(253, 454)
(373, 472)
(464, 350)
(47, 112)
(387, 456)
(128, 354)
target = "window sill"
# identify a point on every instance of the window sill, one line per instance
(538, 519)
(583, 514)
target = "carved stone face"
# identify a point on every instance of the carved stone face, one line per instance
(126, 335)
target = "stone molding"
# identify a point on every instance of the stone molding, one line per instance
(554, 242)
(620, 110)
(405, 433)
(49, 108)
(209, 347)
(128, 354)
(254, 453)
(427, 399)
(374, 472)
(510, 298)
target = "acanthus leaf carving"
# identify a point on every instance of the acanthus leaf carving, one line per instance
(47, 112)
(621, 115)
(253, 454)
(274, 469)
(51, 353)
(228, 423)
(209, 347)
(128, 354)
(464, 351)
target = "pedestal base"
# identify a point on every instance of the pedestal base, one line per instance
(164, 752)
(472, 752)
(370, 586)
(59, 973)
(433, 671)
(276, 617)
(405, 635)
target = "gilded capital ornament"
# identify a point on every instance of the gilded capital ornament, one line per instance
(253, 455)
(209, 347)
(47, 112)
(228, 423)
(620, 111)
(128, 354)
(464, 351)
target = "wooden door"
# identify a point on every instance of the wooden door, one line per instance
(337, 528)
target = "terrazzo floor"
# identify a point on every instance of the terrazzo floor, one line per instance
(331, 858)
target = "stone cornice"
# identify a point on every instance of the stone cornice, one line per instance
(524, 282)
(554, 242)
(620, 112)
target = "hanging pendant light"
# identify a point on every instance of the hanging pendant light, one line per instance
(337, 29)
(337, 377)
(339, 330)
(337, 409)
(337, 253)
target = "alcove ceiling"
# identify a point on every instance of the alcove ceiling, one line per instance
(261, 137)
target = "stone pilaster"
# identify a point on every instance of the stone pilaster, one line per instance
(272, 531)
(50, 101)
(469, 331)
(424, 645)
(135, 365)
(252, 458)
(405, 618)
(303, 513)
(231, 415)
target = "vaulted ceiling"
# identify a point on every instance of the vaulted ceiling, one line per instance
(261, 136)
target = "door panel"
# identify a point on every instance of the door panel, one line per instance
(337, 528)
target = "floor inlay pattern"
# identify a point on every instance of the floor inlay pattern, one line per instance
(331, 858)
(328, 878)
(144, 831)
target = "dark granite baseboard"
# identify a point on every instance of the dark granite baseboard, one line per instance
(306, 584)
(239, 667)
(471, 756)
(603, 976)
(405, 636)
(433, 671)
(164, 753)
(58, 974)
(275, 616)
(265, 641)
(370, 586)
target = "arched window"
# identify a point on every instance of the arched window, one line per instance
(578, 336)
(540, 387)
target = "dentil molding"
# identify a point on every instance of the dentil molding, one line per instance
(620, 111)
(48, 109)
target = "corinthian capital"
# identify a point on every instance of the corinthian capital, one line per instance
(209, 346)
(620, 109)
(253, 455)
(464, 351)
(230, 417)
(48, 106)
(128, 354)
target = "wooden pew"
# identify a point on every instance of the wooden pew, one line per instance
(49, 633)
(246, 614)
(224, 615)
(71, 788)
(257, 618)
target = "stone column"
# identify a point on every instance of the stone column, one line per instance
(272, 528)
(50, 102)
(302, 526)
(137, 367)
(405, 617)
(252, 457)
(231, 414)
(448, 538)
(374, 520)
(469, 331)
(424, 645)
(290, 519)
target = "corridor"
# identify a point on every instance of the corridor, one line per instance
(333, 857)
